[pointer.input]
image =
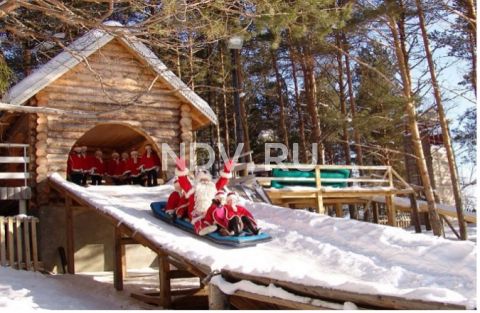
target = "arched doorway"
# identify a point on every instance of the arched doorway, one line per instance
(110, 137)
(119, 137)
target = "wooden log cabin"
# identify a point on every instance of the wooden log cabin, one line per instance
(115, 94)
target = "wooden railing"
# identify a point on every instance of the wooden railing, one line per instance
(18, 242)
(368, 176)
(20, 193)
(366, 182)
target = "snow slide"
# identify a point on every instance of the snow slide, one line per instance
(309, 249)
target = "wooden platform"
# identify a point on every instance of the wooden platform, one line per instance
(366, 183)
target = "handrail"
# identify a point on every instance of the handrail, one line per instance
(25, 159)
(13, 145)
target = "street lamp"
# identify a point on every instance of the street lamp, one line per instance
(235, 43)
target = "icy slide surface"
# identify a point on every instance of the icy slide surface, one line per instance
(310, 249)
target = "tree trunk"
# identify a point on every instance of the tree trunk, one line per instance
(343, 106)
(410, 110)
(471, 14)
(308, 66)
(225, 110)
(353, 107)
(243, 113)
(452, 166)
(283, 124)
(301, 126)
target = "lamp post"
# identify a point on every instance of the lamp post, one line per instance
(234, 45)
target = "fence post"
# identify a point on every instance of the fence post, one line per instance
(320, 209)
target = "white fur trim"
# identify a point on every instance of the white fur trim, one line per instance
(196, 219)
(190, 192)
(225, 175)
(207, 230)
(180, 172)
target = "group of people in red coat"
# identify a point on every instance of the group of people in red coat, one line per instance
(206, 205)
(122, 170)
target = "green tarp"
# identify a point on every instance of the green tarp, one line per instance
(324, 173)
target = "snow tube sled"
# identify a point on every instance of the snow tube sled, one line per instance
(244, 240)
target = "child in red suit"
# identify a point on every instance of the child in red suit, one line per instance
(236, 217)
(177, 204)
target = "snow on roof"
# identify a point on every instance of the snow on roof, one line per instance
(310, 249)
(83, 47)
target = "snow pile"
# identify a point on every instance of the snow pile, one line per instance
(310, 249)
(21, 291)
(275, 292)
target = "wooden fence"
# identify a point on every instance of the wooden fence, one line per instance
(18, 242)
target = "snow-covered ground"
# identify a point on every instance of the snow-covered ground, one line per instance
(309, 249)
(21, 291)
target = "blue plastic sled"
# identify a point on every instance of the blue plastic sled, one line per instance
(243, 240)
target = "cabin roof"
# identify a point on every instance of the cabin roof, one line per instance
(86, 45)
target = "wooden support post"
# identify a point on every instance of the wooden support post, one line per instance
(118, 270)
(3, 249)
(26, 236)
(164, 279)
(391, 212)
(414, 213)
(69, 224)
(11, 256)
(34, 245)
(22, 207)
(375, 212)
(338, 210)
(217, 300)
(18, 237)
(319, 200)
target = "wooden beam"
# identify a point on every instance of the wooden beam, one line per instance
(338, 210)
(69, 228)
(288, 303)
(14, 175)
(18, 238)
(3, 236)
(217, 300)
(44, 110)
(11, 257)
(319, 199)
(330, 294)
(164, 280)
(391, 212)
(118, 270)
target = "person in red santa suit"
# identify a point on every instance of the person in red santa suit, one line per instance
(151, 165)
(135, 167)
(114, 168)
(98, 168)
(86, 165)
(74, 166)
(126, 180)
(201, 194)
(177, 204)
(237, 217)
